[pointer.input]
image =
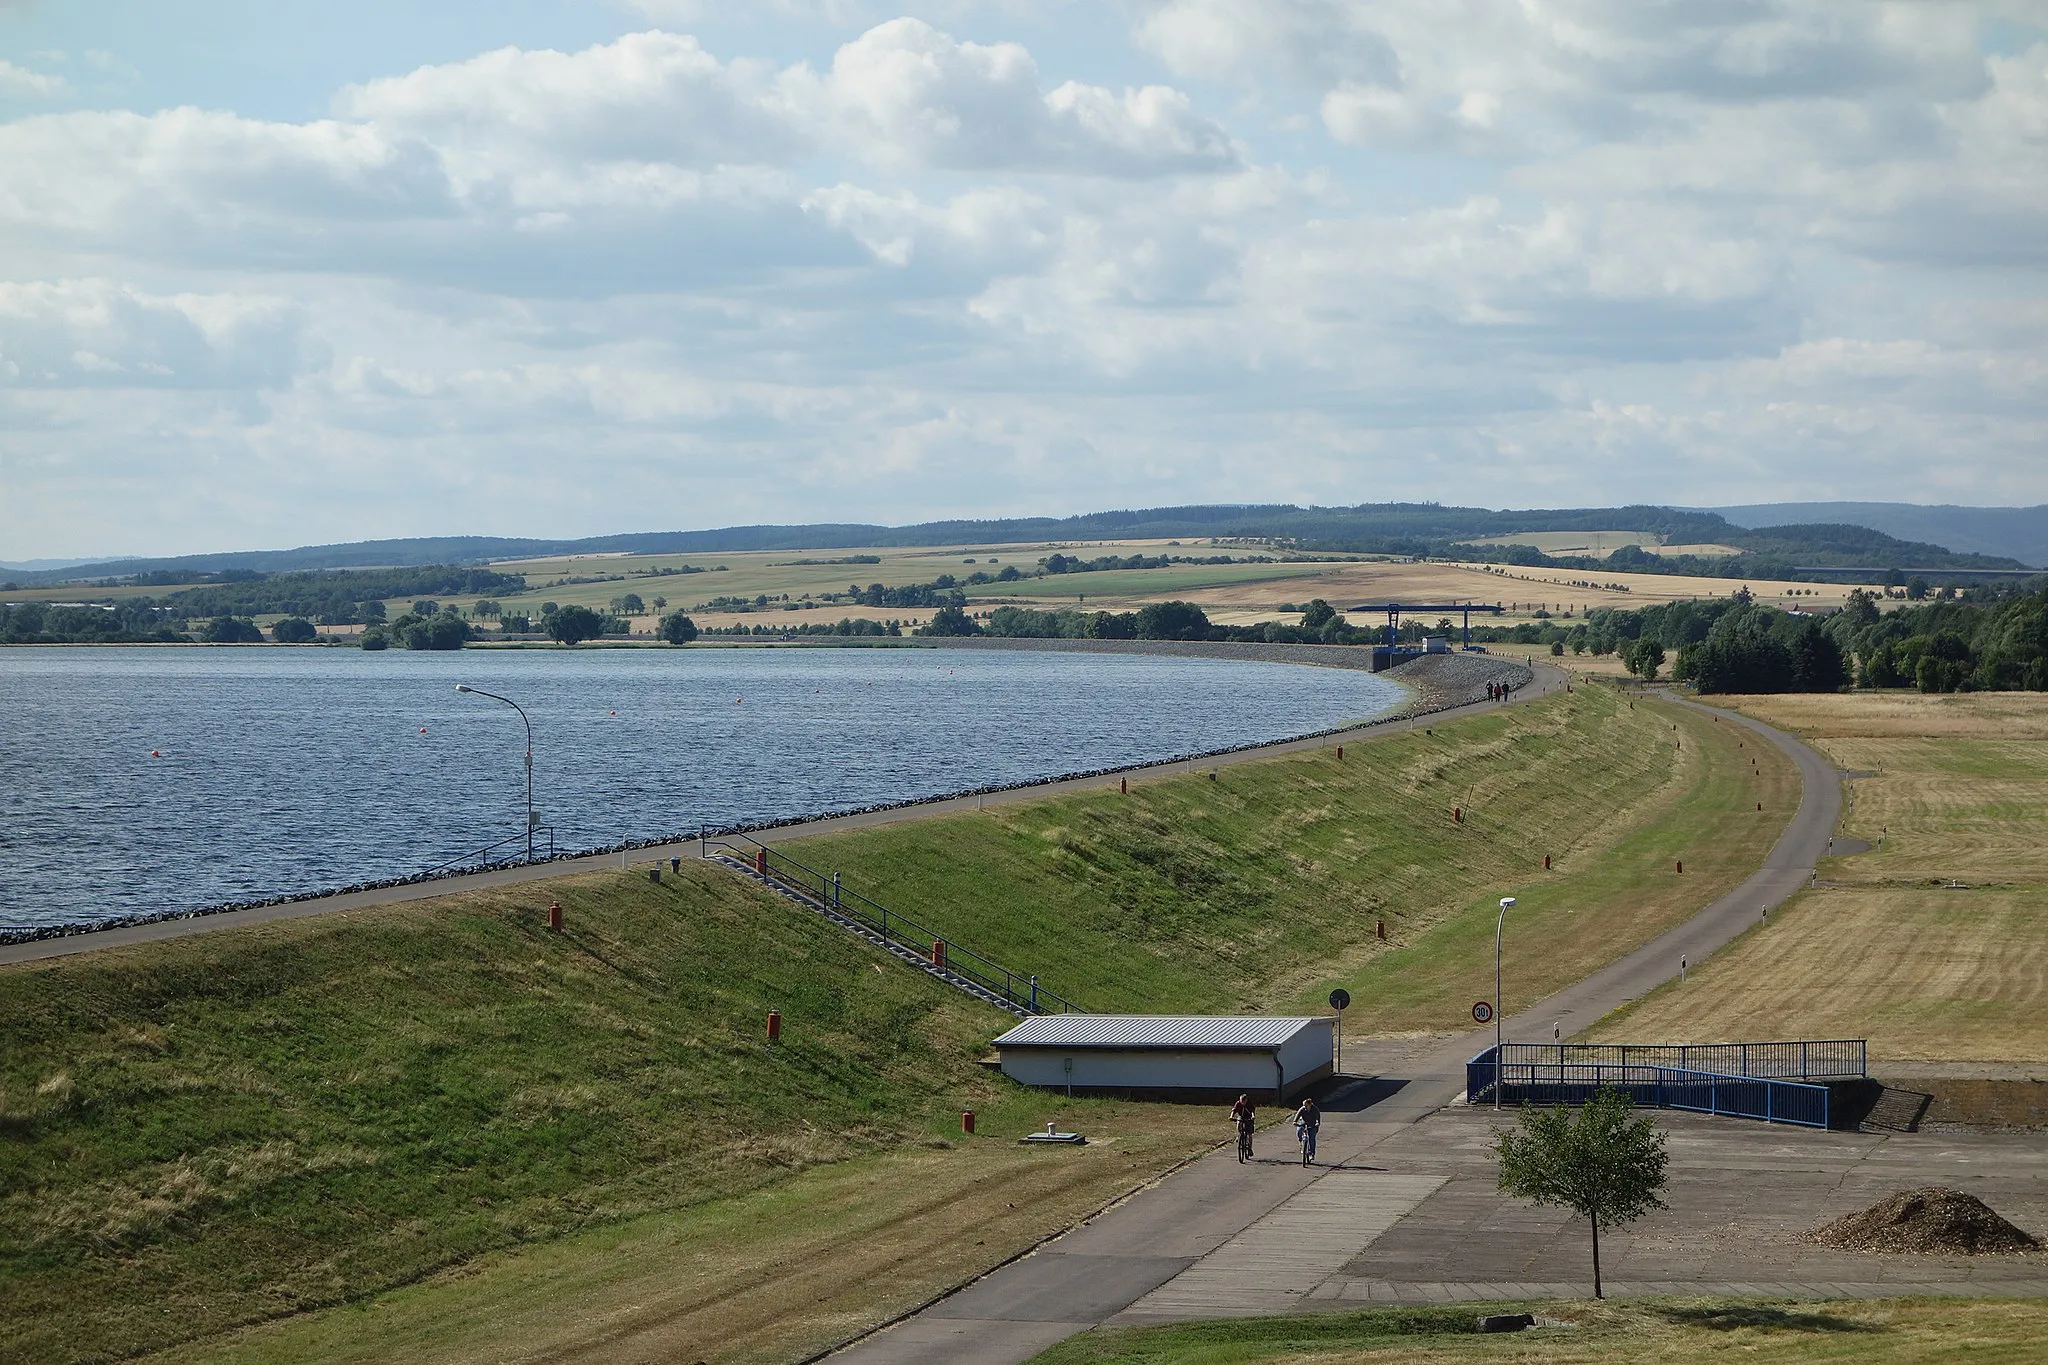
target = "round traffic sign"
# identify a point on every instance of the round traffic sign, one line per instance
(1482, 1012)
(1340, 999)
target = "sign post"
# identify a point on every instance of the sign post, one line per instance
(1340, 1000)
(1498, 928)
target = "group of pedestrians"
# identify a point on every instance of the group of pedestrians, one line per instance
(1308, 1121)
(1497, 691)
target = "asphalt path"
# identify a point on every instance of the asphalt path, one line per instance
(1098, 1272)
(1548, 679)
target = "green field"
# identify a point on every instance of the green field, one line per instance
(1902, 1332)
(1120, 584)
(416, 1132)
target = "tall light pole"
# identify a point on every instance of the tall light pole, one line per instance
(1499, 1062)
(478, 691)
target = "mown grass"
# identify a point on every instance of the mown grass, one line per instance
(459, 1136)
(1263, 888)
(214, 1130)
(1891, 1332)
(1933, 943)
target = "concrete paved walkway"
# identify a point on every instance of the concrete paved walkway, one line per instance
(1165, 1252)
(1549, 679)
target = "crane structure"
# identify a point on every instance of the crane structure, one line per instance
(1394, 611)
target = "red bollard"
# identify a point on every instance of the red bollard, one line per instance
(938, 952)
(760, 862)
(1759, 805)
(1123, 785)
(555, 916)
(1681, 865)
(774, 1026)
(967, 1120)
(1546, 862)
(1340, 753)
(1458, 814)
(1383, 929)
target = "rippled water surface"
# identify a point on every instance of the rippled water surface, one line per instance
(287, 770)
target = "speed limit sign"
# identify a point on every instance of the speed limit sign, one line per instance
(1482, 1012)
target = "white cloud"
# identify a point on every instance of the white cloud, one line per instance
(1552, 250)
(95, 332)
(19, 82)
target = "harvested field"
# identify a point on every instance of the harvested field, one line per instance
(1933, 941)
(1935, 1220)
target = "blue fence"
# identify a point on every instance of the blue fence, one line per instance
(1743, 1080)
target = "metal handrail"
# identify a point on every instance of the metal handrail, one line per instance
(1796, 1058)
(895, 927)
(1549, 1077)
(477, 855)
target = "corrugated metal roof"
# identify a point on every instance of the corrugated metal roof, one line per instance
(1154, 1031)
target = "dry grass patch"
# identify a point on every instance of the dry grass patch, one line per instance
(1925, 975)
(1957, 792)
(767, 1276)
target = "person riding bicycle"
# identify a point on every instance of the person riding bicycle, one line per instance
(1308, 1120)
(1246, 1116)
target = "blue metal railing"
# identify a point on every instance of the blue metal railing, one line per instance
(1743, 1080)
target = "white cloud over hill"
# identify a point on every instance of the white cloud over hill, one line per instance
(1559, 251)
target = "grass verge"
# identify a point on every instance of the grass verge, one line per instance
(1892, 1332)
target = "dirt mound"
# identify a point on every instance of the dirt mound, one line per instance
(1933, 1219)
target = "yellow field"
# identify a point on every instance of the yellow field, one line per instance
(1934, 942)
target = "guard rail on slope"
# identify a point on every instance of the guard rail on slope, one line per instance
(896, 934)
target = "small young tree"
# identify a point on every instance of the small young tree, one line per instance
(1594, 1160)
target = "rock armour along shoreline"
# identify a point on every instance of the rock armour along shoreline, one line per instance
(1440, 682)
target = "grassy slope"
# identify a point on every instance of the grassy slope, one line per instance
(1260, 890)
(234, 1127)
(1875, 1333)
(1957, 789)
(211, 1130)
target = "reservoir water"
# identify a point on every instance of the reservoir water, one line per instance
(277, 771)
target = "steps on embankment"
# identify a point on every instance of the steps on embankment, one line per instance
(800, 896)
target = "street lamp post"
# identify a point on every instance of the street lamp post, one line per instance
(1499, 1062)
(478, 691)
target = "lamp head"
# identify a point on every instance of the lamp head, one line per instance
(1506, 902)
(464, 687)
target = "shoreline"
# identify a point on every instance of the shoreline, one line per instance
(1443, 683)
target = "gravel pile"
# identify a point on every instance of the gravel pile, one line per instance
(1933, 1219)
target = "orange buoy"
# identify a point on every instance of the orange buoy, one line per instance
(615, 713)
(423, 729)
(154, 754)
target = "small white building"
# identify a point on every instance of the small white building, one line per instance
(1193, 1057)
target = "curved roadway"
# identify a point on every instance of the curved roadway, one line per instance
(1109, 1264)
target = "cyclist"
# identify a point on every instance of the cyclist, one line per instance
(1246, 1116)
(1307, 1120)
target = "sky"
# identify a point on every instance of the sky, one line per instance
(284, 274)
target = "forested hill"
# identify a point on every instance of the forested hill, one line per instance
(1379, 528)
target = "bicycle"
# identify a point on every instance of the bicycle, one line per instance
(1306, 1136)
(1244, 1142)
